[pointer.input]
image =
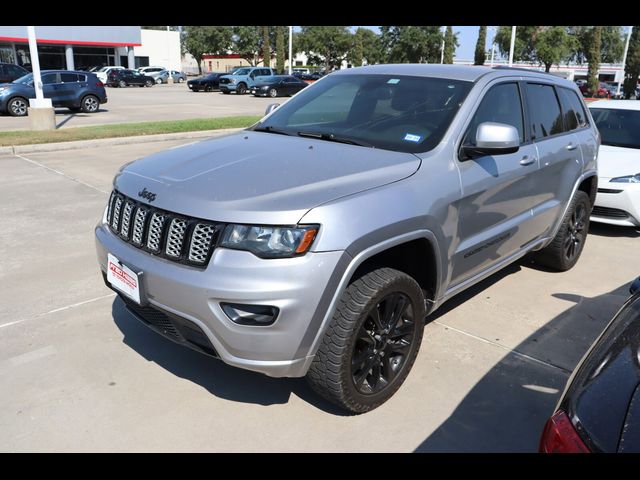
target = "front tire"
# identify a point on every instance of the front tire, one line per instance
(17, 107)
(241, 89)
(122, 84)
(565, 249)
(273, 92)
(158, 81)
(371, 342)
(149, 83)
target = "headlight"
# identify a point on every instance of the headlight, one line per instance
(269, 241)
(232, 80)
(628, 179)
(2, 89)
(266, 87)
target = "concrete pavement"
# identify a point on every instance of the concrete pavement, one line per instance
(78, 373)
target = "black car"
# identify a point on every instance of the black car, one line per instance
(124, 78)
(600, 408)
(310, 77)
(10, 72)
(75, 90)
(208, 83)
(278, 85)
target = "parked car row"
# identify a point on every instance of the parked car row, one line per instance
(261, 82)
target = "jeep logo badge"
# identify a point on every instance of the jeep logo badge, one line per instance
(147, 194)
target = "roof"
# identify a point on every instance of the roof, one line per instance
(616, 104)
(469, 73)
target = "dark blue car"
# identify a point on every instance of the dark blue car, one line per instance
(77, 91)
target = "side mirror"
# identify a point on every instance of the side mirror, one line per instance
(493, 139)
(271, 108)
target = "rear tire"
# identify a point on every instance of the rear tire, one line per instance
(122, 84)
(565, 249)
(371, 342)
(90, 104)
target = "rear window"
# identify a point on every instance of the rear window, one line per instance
(68, 77)
(546, 117)
(574, 114)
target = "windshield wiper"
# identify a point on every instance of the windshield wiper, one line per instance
(270, 129)
(333, 138)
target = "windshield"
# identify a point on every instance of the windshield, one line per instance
(619, 128)
(24, 79)
(391, 112)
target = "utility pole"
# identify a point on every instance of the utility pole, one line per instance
(290, 48)
(40, 111)
(513, 43)
(442, 49)
(169, 76)
(493, 44)
(624, 60)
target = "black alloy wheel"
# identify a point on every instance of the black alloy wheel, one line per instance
(241, 89)
(576, 232)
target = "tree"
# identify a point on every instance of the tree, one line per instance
(247, 42)
(632, 67)
(356, 52)
(325, 44)
(408, 44)
(198, 40)
(611, 43)
(524, 48)
(365, 47)
(553, 45)
(593, 55)
(480, 55)
(266, 48)
(450, 45)
(280, 49)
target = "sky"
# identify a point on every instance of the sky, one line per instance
(467, 38)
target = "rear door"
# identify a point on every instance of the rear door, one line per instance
(68, 88)
(494, 213)
(50, 83)
(559, 153)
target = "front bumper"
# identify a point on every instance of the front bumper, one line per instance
(294, 285)
(619, 208)
(228, 87)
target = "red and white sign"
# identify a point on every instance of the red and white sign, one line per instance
(123, 278)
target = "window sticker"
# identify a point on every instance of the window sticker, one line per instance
(412, 138)
(393, 81)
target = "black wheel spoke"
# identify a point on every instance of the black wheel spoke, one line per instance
(401, 346)
(362, 374)
(375, 315)
(390, 368)
(402, 331)
(360, 358)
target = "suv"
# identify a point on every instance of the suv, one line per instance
(124, 78)
(10, 72)
(104, 72)
(242, 79)
(317, 241)
(78, 91)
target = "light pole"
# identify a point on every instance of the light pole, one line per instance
(624, 59)
(493, 44)
(41, 113)
(169, 76)
(513, 42)
(290, 48)
(442, 49)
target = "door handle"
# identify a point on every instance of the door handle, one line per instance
(571, 146)
(527, 161)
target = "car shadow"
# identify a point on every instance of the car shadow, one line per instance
(606, 230)
(215, 376)
(506, 410)
(71, 115)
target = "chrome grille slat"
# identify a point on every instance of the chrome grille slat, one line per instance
(175, 237)
(200, 242)
(138, 225)
(116, 212)
(126, 219)
(155, 231)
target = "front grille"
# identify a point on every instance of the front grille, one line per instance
(224, 81)
(176, 237)
(609, 212)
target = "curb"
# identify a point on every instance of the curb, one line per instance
(104, 142)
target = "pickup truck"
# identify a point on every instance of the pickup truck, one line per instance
(243, 79)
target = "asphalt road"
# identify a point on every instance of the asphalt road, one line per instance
(78, 373)
(160, 102)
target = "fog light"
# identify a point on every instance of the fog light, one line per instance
(257, 315)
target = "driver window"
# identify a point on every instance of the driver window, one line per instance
(49, 78)
(501, 104)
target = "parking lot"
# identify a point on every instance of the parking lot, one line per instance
(160, 102)
(78, 373)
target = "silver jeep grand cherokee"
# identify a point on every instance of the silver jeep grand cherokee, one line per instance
(317, 241)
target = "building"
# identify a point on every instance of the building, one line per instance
(80, 47)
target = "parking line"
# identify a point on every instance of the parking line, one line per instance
(60, 173)
(515, 352)
(67, 307)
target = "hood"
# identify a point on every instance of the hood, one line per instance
(256, 177)
(618, 161)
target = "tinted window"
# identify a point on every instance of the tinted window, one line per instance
(14, 70)
(392, 112)
(291, 80)
(620, 128)
(49, 78)
(68, 77)
(240, 71)
(546, 118)
(263, 71)
(501, 104)
(574, 114)
(82, 78)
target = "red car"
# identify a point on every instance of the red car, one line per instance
(602, 92)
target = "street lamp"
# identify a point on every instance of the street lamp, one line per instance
(290, 47)
(624, 59)
(513, 42)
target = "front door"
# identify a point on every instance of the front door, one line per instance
(494, 213)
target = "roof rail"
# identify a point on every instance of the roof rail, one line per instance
(503, 67)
